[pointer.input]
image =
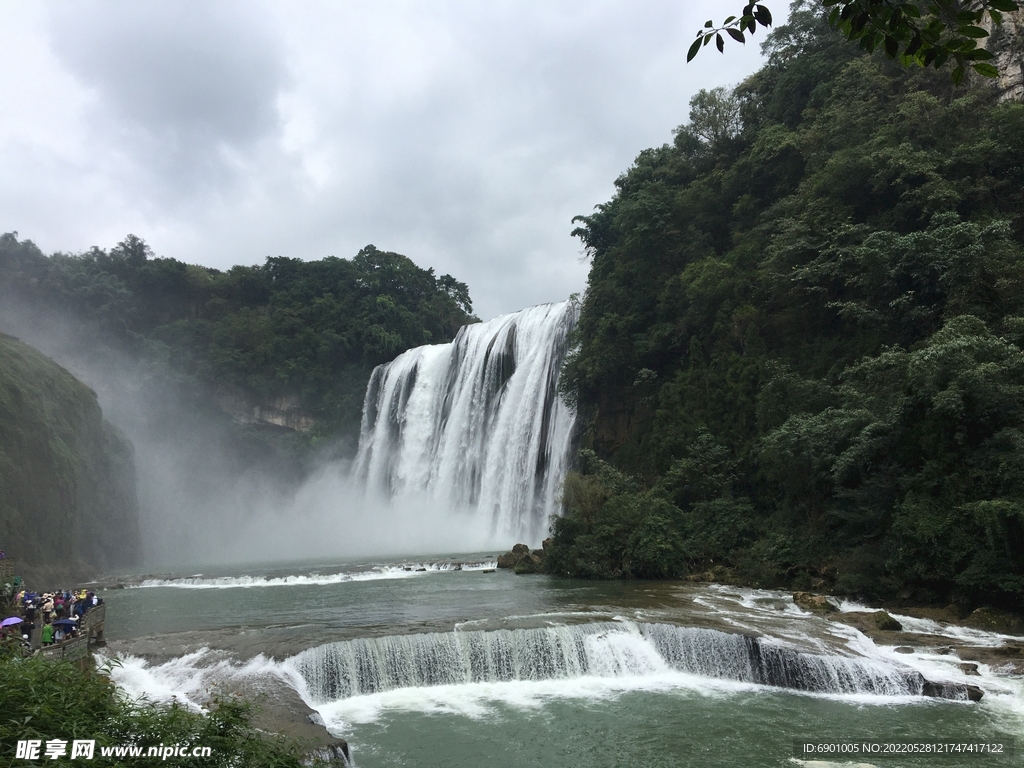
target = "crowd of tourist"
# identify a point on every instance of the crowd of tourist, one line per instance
(59, 615)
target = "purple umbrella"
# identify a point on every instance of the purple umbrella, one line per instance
(11, 621)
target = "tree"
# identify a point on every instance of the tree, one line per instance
(715, 115)
(924, 32)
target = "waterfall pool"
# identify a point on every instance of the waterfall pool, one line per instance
(443, 661)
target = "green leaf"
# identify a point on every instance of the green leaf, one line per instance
(693, 50)
(979, 54)
(736, 35)
(975, 32)
(957, 75)
(986, 70)
(720, 42)
(1004, 5)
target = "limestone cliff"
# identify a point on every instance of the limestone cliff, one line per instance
(1007, 43)
(68, 504)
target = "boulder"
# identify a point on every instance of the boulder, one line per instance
(529, 564)
(886, 622)
(811, 602)
(954, 691)
(519, 551)
(509, 559)
(969, 668)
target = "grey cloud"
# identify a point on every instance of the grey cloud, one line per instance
(183, 86)
(463, 134)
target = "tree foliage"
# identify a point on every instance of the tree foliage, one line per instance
(801, 341)
(307, 330)
(924, 32)
(47, 700)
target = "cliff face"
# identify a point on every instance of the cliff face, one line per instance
(1007, 43)
(68, 504)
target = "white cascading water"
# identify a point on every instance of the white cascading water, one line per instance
(601, 649)
(476, 424)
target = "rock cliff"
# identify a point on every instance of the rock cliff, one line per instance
(68, 506)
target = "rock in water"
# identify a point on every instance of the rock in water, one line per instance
(888, 623)
(811, 602)
(529, 564)
(993, 620)
(519, 554)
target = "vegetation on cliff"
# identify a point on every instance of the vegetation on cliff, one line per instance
(303, 333)
(67, 477)
(800, 351)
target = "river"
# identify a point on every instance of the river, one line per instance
(443, 661)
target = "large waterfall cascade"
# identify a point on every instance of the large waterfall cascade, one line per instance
(477, 424)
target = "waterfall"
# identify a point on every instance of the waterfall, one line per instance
(476, 424)
(603, 649)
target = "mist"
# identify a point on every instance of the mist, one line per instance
(207, 497)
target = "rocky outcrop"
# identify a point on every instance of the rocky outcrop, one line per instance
(1006, 42)
(887, 623)
(284, 412)
(1006, 659)
(954, 691)
(811, 602)
(68, 506)
(521, 560)
(994, 620)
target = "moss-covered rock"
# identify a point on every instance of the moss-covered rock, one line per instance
(529, 564)
(887, 623)
(993, 620)
(811, 602)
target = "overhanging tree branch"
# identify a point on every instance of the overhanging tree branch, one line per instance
(924, 32)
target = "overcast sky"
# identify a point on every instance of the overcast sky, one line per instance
(465, 135)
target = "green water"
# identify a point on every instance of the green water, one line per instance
(663, 729)
(665, 719)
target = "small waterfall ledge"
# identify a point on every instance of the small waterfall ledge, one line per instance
(367, 666)
(477, 424)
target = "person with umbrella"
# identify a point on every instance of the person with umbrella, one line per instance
(7, 627)
(63, 629)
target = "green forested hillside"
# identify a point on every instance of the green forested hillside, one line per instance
(307, 331)
(68, 505)
(800, 347)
